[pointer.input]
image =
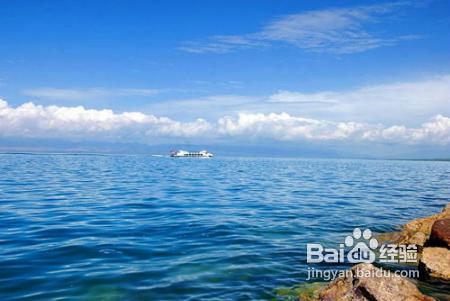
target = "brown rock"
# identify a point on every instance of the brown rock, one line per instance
(440, 234)
(418, 238)
(340, 289)
(435, 263)
(366, 282)
(417, 231)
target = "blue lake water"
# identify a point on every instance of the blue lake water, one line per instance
(135, 227)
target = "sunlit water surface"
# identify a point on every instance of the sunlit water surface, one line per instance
(124, 227)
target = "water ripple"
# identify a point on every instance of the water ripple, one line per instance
(88, 227)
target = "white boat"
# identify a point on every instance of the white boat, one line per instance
(183, 153)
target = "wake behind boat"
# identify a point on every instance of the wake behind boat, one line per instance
(182, 153)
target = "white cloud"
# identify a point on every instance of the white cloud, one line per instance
(30, 120)
(285, 127)
(90, 93)
(401, 102)
(298, 97)
(392, 102)
(436, 131)
(340, 31)
(224, 44)
(431, 90)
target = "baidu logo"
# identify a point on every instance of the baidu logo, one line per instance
(360, 246)
(361, 250)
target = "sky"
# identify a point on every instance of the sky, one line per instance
(345, 78)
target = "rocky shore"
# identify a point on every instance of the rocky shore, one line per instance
(430, 234)
(362, 288)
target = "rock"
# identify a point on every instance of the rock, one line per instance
(366, 282)
(418, 238)
(440, 234)
(446, 208)
(417, 231)
(307, 291)
(310, 291)
(340, 289)
(435, 263)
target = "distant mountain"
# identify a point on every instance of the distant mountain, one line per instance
(279, 149)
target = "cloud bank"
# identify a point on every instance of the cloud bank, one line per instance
(338, 31)
(35, 121)
(400, 102)
(435, 90)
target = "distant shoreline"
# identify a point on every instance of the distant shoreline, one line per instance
(81, 153)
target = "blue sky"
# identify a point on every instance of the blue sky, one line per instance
(295, 72)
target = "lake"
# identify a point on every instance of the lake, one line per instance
(136, 227)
